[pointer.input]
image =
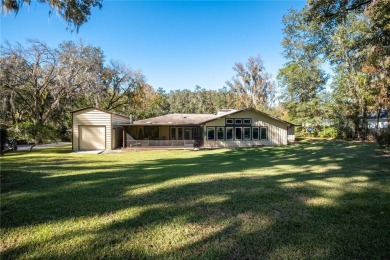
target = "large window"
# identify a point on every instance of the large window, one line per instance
(247, 133)
(255, 133)
(152, 132)
(233, 133)
(220, 133)
(173, 133)
(210, 133)
(263, 133)
(188, 133)
(238, 131)
(184, 133)
(229, 133)
(180, 133)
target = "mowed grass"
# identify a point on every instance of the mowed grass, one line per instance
(316, 199)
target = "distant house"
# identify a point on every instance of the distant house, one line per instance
(373, 120)
(97, 129)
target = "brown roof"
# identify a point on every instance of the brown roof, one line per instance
(177, 119)
(196, 119)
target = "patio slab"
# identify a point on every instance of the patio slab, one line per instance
(89, 152)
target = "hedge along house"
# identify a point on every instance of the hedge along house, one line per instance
(228, 128)
(95, 129)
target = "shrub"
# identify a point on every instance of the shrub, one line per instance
(29, 132)
(328, 132)
(383, 138)
(3, 136)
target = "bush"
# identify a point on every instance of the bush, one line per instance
(328, 132)
(29, 132)
(383, 138)
(3, 137)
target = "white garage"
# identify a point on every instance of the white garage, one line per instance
(95, 129)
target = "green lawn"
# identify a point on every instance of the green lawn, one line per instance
(316, 199)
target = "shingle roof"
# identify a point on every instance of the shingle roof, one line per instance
(177, 119)
(197, 119)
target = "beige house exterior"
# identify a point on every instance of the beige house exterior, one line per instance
(94, 129)
(254, 128)
(228, 128)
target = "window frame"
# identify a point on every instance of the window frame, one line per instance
(188, 130)
(235, 133)
(228, 119)
(226, 133)
(250, 121)
(180, 133)
(207, 133)
(217, 133)
(173, 136)
(243, 133)
(266, 133)
(258, 133)
(237, 119)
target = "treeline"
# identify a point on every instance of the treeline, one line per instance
(353, 38)
(41, 85)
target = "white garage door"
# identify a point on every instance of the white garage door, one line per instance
(92, 138)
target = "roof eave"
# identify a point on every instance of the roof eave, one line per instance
(105, 111)
(160, 124)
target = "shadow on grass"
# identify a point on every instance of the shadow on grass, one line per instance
(318, 199)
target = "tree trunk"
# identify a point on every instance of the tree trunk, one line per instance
(363, 132)
(378, 111)
(356, 132)
(38, 131)
(39, 139)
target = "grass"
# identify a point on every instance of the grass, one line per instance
(316, 199)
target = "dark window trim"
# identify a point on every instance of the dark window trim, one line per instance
(216, 133)
(250, 121)
(194, 132)
(234, 123)
(207, 133)
(226, 119)
(266, 133)
(258, 132)
(235, 135)
(170, 132)
(225, 128)
(243, 133)
(235, 119)
(232, 133)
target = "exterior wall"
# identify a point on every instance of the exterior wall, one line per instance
(118, 120)
(164, 132)
(91, 117)
(117, 137)
(117, 134)
(291, 134)
(276, 133)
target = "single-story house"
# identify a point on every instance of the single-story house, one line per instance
(97, 129)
